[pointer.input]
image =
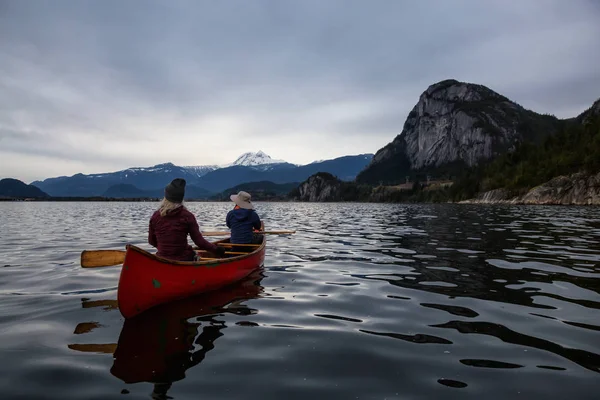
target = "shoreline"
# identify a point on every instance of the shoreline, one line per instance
(511, 202)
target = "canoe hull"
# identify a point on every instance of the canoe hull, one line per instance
(159, 346)
(147, 280)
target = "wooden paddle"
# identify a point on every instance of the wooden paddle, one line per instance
(101, 258)
(227, 233)
(108, 258)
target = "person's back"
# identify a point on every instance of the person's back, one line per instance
(171, 231)
(170, 225)
(242, 220)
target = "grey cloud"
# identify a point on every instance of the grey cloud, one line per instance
(32, 143)
(111, 70)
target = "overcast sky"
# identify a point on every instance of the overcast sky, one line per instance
(98, 86)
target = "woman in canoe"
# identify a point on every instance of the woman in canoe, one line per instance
(243, 220)
(171, 224)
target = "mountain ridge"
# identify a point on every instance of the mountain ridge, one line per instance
(125, 190)
(456, 124)
(260, 191)
(346, 168)
(213, 180)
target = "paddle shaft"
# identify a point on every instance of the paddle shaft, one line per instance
(237, 244)
(227, 233)
(108, 258)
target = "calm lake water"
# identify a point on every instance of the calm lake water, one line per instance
(365, 301)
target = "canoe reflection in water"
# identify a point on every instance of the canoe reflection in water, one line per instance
(159, 345)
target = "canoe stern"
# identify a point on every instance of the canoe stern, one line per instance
(147, 280)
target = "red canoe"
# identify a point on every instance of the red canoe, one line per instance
(160, 345)
(148, 280)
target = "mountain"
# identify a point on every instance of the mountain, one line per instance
(80, 185)
(15, 188)
(564, 168)
(345, 168)
(124, 190)
(456, 125)
(572, 156)
(263, 190)
(210, 177)
(200, 170)
(254, 159)
(590, 115)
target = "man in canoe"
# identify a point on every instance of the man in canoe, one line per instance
(171, 224)
(243, 220)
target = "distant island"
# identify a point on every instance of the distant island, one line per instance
(462, 142)
(16, 189)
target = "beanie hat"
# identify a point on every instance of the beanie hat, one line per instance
(175, 190)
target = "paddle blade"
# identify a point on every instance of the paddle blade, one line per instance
(101, 258)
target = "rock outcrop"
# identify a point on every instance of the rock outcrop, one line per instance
(592, 112)
(496, 196)
(456, 122)
(320, 187)
(576, 189)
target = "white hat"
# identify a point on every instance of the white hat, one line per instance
(242, 199)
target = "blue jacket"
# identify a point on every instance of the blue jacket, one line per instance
(241, 221)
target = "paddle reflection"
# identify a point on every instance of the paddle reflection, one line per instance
(159, 345)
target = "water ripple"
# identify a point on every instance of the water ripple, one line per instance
(367, 301)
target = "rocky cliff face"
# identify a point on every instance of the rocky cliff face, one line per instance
(590, 113)
(449, 124)
(576, 189)
(456, 122)
(319, 188)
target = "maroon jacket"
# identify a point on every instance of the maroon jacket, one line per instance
(169, 235)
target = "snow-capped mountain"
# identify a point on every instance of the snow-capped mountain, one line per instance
(250, 159)
(249, 167)
(259, 160)
(200, 170)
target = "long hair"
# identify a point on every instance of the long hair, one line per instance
(167, 206)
